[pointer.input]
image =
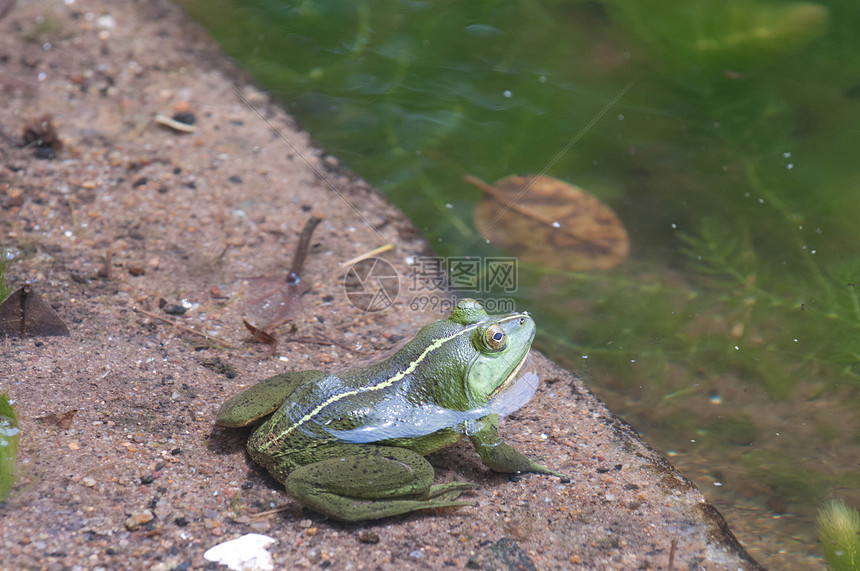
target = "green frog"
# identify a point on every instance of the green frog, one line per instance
(351, 445)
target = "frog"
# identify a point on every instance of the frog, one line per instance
(351, 445)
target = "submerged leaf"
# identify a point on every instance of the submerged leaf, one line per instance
(549, 222)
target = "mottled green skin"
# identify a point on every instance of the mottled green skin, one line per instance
(448, 364)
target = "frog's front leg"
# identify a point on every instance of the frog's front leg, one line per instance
(263, 398)
(499, 455)
(369, 482)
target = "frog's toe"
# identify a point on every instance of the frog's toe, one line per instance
(352, 511)
(443, 502)
(564, 477)
(541, 469)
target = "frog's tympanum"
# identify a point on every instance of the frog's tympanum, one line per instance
(351, 445)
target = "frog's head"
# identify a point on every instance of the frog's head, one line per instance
(499, 345)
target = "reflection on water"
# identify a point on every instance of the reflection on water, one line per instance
(730, 335)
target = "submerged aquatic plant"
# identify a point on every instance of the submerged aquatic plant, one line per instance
(9, 432)
(6, 257)
(805, 318)
(839, 532)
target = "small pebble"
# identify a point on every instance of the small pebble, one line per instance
(138, 518)
(186, 117)
(44, 153)
(173, 309)
(368, 537)
(245, 552)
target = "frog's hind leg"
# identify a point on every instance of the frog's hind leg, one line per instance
(372, 482)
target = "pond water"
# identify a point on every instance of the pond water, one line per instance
(723, 134)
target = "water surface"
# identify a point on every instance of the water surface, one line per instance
(724, 135)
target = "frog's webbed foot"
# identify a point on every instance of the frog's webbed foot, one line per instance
(506, 458)
(373, 483)
(501, 456)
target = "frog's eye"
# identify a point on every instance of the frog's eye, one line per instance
(495, 338)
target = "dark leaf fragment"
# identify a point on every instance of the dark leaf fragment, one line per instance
(62, 421)
(26, 314)
(272, 301)
(261, 336)
(42, 135)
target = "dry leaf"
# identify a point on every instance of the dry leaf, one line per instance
(273, 302)
(62, 421)
(261, 336)
(106, 271)
(26, 314)
(549, 222)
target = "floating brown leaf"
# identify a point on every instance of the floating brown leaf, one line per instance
(62, 421)
(549, 222)
(26, 314)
